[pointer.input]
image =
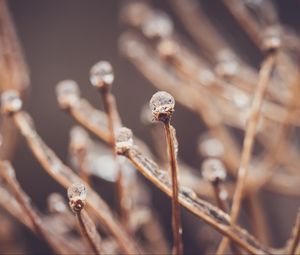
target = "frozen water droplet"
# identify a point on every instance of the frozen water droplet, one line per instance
(162, 105)
(77, 191)
(67, 92)
(206, 77)
(240, 99)
(124, 140)
(101, 74)
(10, 101)
(213, 170)
(210, 147)
(79, 138)
(271, 39)
(56, 203)
(157, 24)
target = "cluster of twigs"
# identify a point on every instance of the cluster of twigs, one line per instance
(225, 91)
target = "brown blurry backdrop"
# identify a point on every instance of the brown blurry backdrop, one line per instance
(63, 39)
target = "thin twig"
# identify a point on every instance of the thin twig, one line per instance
(264, 77)
(8, 173)
(295, 237)
(65, 176)
(77, 196)
(188, 199)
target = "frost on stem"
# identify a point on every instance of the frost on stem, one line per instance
(213, 170)
(157, 25)
(162, 106)
(102, 75)
(68, 93)
(10, 101)
(77, 196)
(124, 140)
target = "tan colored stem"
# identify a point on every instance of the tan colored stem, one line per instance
(176, 220)
(65, 176)
(264, 77)
(89, 231)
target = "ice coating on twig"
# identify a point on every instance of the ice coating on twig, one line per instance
(123, 140)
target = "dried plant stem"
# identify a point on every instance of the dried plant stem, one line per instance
(222, 203)
(238, 10)
(14, 75)
(202, 209)
(9, 203)
(295, 239)
(89, 231)
(264, 77)
(176, 220)
(65, 176)
(113, 124)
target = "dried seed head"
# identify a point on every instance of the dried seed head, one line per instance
(102, 75)
(271, 39)
(157, 24)
(56, 203)
(79, 138)
(162, 106)
(213, 170)
(124, 141)
(77, 195)
(67, 92)
(10, 101)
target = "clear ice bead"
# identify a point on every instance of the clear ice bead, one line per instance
(102, 74)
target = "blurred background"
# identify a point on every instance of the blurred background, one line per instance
(62, 40)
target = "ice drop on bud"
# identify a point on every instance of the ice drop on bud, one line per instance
(271, 39)
(209, 146)
(162, 106)
(79, 138)
(213, 170)
(157, 24)
(77, 193)
(124, 141)
(68, 93)
(10, 101)
(101, 74)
